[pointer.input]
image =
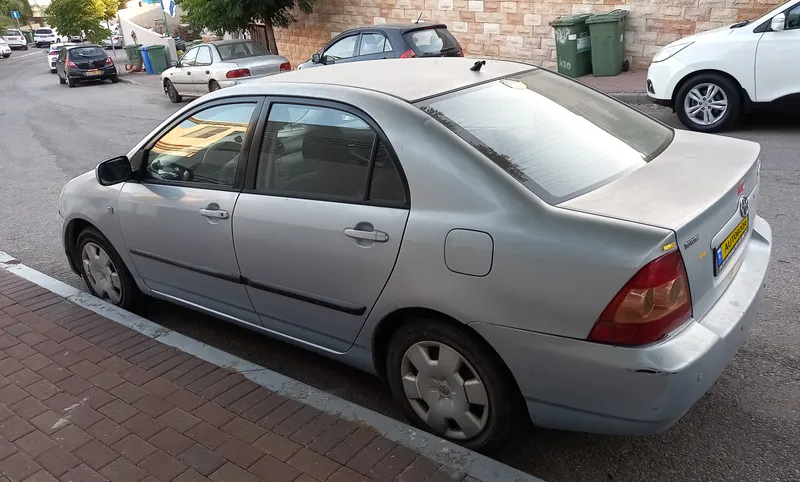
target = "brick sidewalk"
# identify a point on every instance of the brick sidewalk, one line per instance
(83, 399)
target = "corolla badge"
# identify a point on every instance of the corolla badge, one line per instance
(688, 244)
(744, 206)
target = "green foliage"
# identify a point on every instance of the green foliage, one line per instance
(81, 17)
(6, 6)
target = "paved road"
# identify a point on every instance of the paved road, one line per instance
(747, 428)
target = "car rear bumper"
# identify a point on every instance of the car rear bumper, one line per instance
(83, 74)
(576, 385)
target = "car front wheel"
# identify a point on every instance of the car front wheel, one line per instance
(708, 103)
(104, 271)
(172, 92)
(451, 385)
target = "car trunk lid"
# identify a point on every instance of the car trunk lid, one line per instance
(261, 65)
(699, 187)
(88, 57)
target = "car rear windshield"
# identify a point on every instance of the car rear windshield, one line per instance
(558, 138)
(92, 52)
(240, 50)
(432, 42)
(44, 31)
(13, 33)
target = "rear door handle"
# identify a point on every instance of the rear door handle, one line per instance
(215, 213)
(377, 236)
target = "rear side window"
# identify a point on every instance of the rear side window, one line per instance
(432, 42)
(553, 135)
(80, 52)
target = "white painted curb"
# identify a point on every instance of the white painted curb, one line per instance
(462, 460)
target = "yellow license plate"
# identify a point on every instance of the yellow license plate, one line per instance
(93, 72)
(725, 248)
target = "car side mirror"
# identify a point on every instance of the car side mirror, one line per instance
(778, 22)
(315, 58)
(175, 63)
(328, 60)
(114, 171)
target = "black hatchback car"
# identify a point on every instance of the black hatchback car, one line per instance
(387, 42)
(84, 63)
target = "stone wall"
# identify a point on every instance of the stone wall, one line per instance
(520, 29)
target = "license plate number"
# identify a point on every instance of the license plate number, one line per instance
(93, 72)
(723, 252)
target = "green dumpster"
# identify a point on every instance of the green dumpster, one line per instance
(573, 47)
(158, 58)
(28, 36)
(133, 54)
(607, 31)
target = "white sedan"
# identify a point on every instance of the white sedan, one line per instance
(5, 50)
(215, 65)
(15, 39)
(711, 78)
(52, 55)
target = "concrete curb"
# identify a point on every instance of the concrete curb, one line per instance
(631, 97)
(474, 466)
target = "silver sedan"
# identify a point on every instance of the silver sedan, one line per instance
(215, 65)
(495, 240)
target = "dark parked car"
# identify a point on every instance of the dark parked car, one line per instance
(82, 63)
(387, 42)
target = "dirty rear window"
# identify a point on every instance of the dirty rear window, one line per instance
(240, 50)
(558, 138)
(87, 52)
(13, 33)
(44, 31)
(432, 42)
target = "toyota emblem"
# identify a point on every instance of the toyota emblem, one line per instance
(744, 206)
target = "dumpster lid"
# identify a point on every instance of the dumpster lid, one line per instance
(612, 16)
(154, 47)
(570, 20)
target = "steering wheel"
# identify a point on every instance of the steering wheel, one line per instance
(170, 171)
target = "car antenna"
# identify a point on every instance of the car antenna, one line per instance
(418, 18)
(476, 67)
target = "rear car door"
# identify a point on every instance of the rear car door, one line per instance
(201, 71)
(776, 75)
(320, 223)
(177, 219)
(373, 46)
(181, 76)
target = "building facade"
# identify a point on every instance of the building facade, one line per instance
(518, 29)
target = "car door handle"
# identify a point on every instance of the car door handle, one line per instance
(215, 213)
(188, 73)
(377, 236)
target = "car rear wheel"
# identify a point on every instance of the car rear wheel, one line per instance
(708, 103)
(25, 47)
(450, 384)
(52, 71)
(115, 79)
(213, 86)
(172, 92)
(71, 83)
(104, 271)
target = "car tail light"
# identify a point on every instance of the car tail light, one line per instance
(460, 52)
(109, 61)
(653, 303)
(286, 67)
(408, 54)
(235, 74)
(71, 64)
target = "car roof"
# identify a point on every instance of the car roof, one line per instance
(407, 79)
(399, 26)
(232, 41)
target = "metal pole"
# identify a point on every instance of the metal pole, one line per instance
(113, 50)
(166, 25)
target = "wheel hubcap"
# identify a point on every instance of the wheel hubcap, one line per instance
(101, 273)
(444, 390)
(706, 104)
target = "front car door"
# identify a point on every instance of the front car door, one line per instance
(342, 49)
(319, 225)
(777, 71)
(176, 219)
(374, 46)
(201, 72)
(181, 76)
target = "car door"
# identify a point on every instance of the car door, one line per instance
(181, 77)
(201, 71)
(176, 219)
(319, 226)
(776, 75)
(341, 50)
(373, 46)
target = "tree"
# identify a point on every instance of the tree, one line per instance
(81, 17)
(234, 15)
(22, 6)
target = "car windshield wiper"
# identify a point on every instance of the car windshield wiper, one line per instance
(741, 24)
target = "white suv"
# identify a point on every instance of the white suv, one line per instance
(45, 36)
(711, 78)
(15, 39)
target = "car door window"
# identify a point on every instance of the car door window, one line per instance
(342, 49)
(203, 57)
(793, 18)
(204, 148)
(374, 43)
(189, 57)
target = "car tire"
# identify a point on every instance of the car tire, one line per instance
(693, 95)
(114, 79)
(25, 47)
(102, 270)
(52, 71)
(494, 407)
(71, 83)
(61, 81)
(213, 86)
(172, 92)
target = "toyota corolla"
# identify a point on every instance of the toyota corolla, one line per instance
(495, 240)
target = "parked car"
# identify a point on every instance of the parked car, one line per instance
(486, 262)
(711, 78)
(5, 50)
(15, 39)
(387, 42)
(215, 65)
(76, 38)
(45, 36)
(52, 55)
(82, 63)
(116, 39)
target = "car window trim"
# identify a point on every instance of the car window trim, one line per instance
(210, 54)
(258, 141)
(238, 183)
(766, 25)
(382, 52)
(339, 39)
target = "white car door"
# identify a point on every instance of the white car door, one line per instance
(777, 74)
(180, 76)
(201, 72)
